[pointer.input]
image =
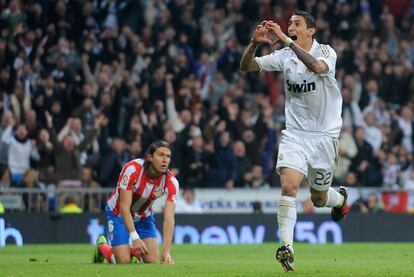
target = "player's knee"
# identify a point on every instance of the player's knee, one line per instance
(123, 259)
(318, 201)
(150, 260)
(289, 189)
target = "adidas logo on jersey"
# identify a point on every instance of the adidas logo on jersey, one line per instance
(304, 87)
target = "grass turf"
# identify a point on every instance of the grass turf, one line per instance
(350, 259)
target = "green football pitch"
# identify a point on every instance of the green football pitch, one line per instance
(350, 259)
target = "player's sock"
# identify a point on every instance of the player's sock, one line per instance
(135, 253)
(334, 198)
(106, 251)
(286, 218)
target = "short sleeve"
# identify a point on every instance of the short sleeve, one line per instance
(172, 189)
(271, 62)
(128, 177)
(329, 57)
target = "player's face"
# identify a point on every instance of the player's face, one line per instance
(161, 158)
(298, 30)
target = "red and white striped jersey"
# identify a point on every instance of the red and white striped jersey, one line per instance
(145, 191)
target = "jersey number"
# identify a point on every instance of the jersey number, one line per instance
(321, 179)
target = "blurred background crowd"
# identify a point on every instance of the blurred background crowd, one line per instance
(87, 85)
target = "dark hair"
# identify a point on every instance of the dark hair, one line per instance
(153, 147)
(309, 19)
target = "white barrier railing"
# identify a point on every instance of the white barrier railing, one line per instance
(211, 200)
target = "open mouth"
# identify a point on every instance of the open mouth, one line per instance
(293, 37)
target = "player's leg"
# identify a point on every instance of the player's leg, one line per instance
(152, 245)
(98, 257)
(118, 236)
(290, 182)
(121, 254)
(320, 175)
(286, 216)
(148, 233)
(292, 167)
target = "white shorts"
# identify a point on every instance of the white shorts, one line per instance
(314, 155)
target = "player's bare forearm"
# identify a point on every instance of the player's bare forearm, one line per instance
(168, 230)
(125, 210)
(127, 218)
(247, 63)
(310, 61)
(168, 225)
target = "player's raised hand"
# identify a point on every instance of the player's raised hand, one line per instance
(261, 32)
(166, 259)
(275, 29)
(140, 246)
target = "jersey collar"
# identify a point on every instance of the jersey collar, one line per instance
(314, 45)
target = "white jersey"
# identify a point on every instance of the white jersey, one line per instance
(313, 101)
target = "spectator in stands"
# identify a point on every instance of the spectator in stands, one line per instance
(351, 113)
(91, 200)
(405, 123)
(223, 167)
(258, 180)
(67, 154)
(73, 129)
(244, 166)
(6, 120)
(33, 201)
(193, 173)
(112, 157)
(347, 150)
(46, 163)
(20, 150)
(373, 134)
(408, 181)
(391, 172)
(20, 102)
(257, 207)
(70, 206)
(364, 164)
(372, 205)
(187, 203)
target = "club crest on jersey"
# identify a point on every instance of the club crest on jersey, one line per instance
(304, 87)
(280, 157)
(125, 181)
(158, 192)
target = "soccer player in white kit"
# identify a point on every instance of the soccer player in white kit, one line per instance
(308, 146)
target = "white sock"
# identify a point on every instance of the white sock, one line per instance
(113, 261)
(286, 218)
(334, 198)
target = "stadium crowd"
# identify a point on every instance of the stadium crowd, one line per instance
(86, 85)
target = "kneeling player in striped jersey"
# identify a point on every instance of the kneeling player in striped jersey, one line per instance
(129, 210)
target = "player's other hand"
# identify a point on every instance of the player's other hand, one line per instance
(166, 259)
(261, 33)
(275, 29)
(140, 246)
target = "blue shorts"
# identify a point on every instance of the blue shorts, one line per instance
(118, 234)
(17, 178)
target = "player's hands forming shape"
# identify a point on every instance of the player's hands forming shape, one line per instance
(166, 259)
(275, 29)
(140, 246)
(261, 33)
